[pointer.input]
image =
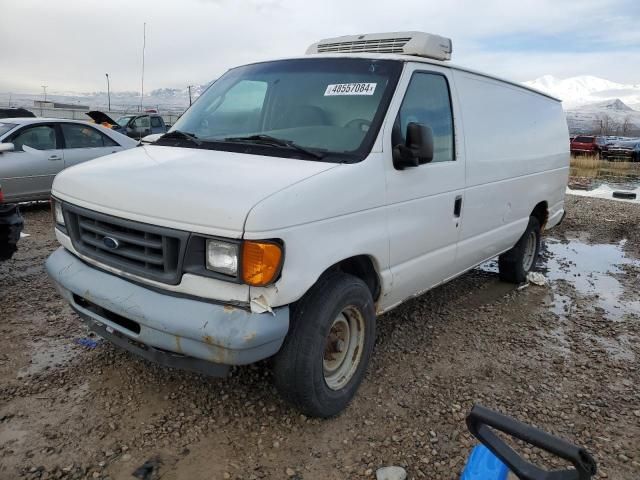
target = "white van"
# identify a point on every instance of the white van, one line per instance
(298, 199)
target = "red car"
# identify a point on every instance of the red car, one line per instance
(584, 144)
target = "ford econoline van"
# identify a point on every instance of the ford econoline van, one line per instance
(299, 199)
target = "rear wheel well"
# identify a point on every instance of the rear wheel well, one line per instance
(541, 212)
(360, 266)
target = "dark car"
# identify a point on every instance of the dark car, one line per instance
(11, 224)
(601, 144)
(134, 125)
(622, 151)
(15, 113)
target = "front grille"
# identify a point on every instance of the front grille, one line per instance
(141, 249)
(386, 45)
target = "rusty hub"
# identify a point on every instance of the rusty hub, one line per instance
(343, 348)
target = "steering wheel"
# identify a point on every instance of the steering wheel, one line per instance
(359, 123)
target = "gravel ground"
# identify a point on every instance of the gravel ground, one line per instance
(563, 357)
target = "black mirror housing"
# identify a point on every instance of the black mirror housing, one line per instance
(418, 148)
(420, 141)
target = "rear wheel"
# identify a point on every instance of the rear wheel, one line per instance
(325, 355)
(521, 259)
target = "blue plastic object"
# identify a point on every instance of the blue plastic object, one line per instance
(484, 465)
(87, 342)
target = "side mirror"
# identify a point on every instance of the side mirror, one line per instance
(418, 148)
(7, 147)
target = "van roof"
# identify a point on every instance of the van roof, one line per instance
(413, 58)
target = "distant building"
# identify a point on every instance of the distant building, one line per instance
(70, 106)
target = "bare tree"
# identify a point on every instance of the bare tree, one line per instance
(608, 126)
(627, 126)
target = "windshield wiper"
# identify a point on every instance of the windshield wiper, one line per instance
(184, 135)
(278, 142)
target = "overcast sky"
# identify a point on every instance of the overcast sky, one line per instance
(69, 45)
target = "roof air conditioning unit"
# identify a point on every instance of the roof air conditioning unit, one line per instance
(406, 43)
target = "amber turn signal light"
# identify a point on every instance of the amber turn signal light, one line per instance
(261, 262)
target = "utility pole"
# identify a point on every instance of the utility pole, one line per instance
(108, 92)
(189, 87)
(44, 88)
(144, 44)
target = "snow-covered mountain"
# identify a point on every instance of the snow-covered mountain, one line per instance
(595, 105)
(612, 117)
(584, 89)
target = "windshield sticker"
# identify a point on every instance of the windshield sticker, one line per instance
(350, 89)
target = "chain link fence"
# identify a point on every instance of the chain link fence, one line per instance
(80, 114)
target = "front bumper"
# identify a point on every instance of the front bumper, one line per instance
(618, 154)
(583, 150)
(175, 331)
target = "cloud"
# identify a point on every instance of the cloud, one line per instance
(70, 45)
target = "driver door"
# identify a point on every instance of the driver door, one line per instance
(140, 127)
(27, 172)
(424, 203)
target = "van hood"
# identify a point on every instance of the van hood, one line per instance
(204, 191)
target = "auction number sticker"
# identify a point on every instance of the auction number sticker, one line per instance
(350, 89)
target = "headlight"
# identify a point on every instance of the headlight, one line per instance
(57, 209)
(222, 257)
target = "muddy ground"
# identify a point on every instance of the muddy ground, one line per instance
(564, 357)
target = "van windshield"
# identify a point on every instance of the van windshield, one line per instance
(327, 108)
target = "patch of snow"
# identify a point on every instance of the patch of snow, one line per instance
(605, 191)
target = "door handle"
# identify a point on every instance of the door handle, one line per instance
(457, 206)
(55, 157)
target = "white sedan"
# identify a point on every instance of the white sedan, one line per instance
(34, 150)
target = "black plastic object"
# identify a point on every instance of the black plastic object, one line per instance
(418, 149)
(481, 421)
(11, 224)
(625, 195)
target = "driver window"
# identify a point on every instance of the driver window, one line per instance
(240, 109)
(41, 137)
(142, 122)
(428, 102)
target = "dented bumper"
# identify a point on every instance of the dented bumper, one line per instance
(172, 326)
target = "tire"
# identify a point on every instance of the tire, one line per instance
(624, 195)
(308, 375)
(514, 265)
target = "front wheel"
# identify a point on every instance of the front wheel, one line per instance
(520, 260)
(325, 355)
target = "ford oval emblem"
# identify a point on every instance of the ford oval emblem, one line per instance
(111, 243)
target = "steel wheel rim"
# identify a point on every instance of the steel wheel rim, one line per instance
(529, 251)
(343, 348)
